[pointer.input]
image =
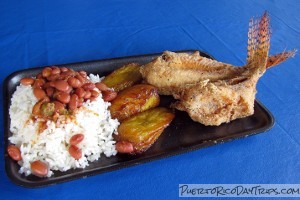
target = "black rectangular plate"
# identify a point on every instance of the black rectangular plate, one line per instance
(183, 135)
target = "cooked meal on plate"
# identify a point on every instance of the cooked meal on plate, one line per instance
(62, 119)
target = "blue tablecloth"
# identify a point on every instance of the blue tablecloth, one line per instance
(38, 33)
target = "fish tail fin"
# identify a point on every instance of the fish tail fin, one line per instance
(258, 42)
(280, 57)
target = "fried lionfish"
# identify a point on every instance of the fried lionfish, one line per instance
(213, 92)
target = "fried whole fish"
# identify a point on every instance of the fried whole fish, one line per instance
(213, 92)
(171, 72)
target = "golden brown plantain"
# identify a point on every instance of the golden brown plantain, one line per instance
(143, 129)
(133, 100)
(123, 77)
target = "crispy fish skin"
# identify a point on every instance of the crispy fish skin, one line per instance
(123, 77)
(214, 103)
(143, 129)
(133, 100)
(172, 72)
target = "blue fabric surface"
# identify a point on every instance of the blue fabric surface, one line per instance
(38, 33)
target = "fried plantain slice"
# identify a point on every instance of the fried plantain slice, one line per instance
(123, 77)
(143, 129)
(133, 100)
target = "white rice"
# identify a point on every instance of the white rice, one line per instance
(51, 146)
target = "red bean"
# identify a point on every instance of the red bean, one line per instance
(38, 83)
(80, 102)
(69, 90)
(59, 107)
(64, 69)
(39, 168)
(53, 77)
(27, 81)
(74, 82)
(61, 85)
(93, 98)
(63, 97)
(109, 95)
(39, 93)
(76, 139)
(55, 70)
(80, 92)
(63, 77)
(69, 73)
(46, 72)
(73, 104)
(124, 147)
(46, 85)
(88, 86)
(82, 79)
(50, 91)
(102, 86)
(55, 94)
(14, 152)
(83, 74)
(94, 93)
(36, 108)
(87, 94)
(75, 152)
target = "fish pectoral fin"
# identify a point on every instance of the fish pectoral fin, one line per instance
(178, 105)
(280, 57)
